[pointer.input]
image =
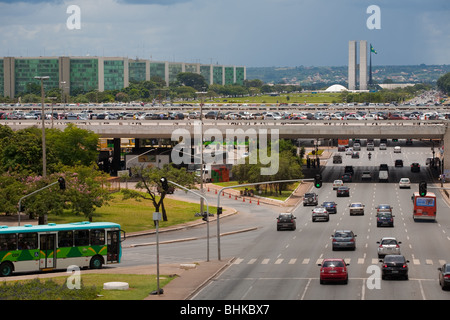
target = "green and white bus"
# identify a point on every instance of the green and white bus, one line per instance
(57, 246)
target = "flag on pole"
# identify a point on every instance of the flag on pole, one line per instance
(372, 49)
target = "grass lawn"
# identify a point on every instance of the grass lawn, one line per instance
(272, 195)
(140, 287)
(300, 98)
(137, 215)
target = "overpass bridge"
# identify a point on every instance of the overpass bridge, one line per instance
(285, 129)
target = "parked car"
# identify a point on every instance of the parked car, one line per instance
(310, 199)
(337, 184)
(388, 245)
(356, 208)
(331, 206)
(404, 183)
(444, 276)
(320, 213)
(343, 192)
(385, 218)
(415, 167)
(333, 270)
(394, 265)
(286, 221)
(343, 239)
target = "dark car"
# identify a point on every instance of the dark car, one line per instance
(212, 115)
(415, 167)
(444, 276)
(310, 199)
(394, 265)
(331, 206)
(343, 239)
(385, 218)
(399, 163)
(343, 192)
(286, 221)
(349, 169)
(347, 177)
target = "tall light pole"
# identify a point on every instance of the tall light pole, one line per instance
(44, 152)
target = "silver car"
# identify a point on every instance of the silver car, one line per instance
(320, 213)
(343, 239)
(388, 245)
(356, 208)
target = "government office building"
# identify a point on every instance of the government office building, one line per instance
(84, 74)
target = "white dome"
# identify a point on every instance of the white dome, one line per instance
(336, 88)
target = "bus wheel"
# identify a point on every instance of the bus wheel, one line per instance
(6, 269)
(96, 262)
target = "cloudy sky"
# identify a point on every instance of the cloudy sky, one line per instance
(254, 33)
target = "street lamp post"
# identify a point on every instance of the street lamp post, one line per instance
(44, 152)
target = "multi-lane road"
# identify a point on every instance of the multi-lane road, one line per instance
(283, 265)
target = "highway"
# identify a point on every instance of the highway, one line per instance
(282, 265)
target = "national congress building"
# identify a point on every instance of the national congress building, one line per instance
(75, 74)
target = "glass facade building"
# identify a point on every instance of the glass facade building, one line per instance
(77, 75)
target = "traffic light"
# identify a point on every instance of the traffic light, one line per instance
(164, 184)
(422, 188)
(62, 183)
(205, 216)
(219, 210)
(318, 180)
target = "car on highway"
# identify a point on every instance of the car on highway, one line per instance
(404, 183)
(349, 151)
(415, 167)
(355, 155)
(310, 199)
(388, 245)
(331, 206)
(366, 175)
(337, 184)
(349, 169)
(320, 213)
(444, 276)
(394, 265)
(337, 158)
(397, 149)
(385, 218)
(356, 147)
(356, 208)
(398, 163)
(343, 239)
(384, 207)
(286, 220)
(333, 270)
(370, 146)
(347, 177)
(382, 146)
(343, 192)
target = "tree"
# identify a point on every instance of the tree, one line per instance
(150, 181)
(443, 83)
(195, 80)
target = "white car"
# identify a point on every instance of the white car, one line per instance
(349, 151)
(337, 184)
(356, 208)
(404, 183)
(382, 146)
(397, 149)
(388, 245)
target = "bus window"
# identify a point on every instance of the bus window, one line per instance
(65, 239)
(8, 241)
(27, 241)
(81, 238)
(97, 237)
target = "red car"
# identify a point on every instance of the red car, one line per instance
(333, 270)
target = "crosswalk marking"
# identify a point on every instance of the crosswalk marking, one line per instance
(306, 261)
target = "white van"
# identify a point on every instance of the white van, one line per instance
(383, 175)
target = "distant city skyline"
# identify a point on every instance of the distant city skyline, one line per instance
(254, 33)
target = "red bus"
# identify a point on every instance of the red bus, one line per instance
(424, 207)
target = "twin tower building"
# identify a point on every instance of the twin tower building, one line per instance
(353, 65)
